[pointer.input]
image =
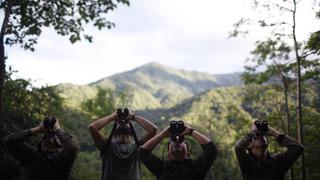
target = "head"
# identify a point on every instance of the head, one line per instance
(123, 133)
(258, 147)
(50, 142)
(177, 148)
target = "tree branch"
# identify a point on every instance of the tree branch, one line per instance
(7, 11)
(281, 7)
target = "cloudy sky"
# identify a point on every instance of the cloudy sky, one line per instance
(185, 34)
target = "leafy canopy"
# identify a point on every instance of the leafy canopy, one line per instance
(66, 17)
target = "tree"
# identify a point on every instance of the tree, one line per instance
(298, 57)
(313, 43)
(24, 20)
(27, 105)
(105, 102)
(273, 55)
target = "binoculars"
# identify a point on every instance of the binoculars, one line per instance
(123, 115)
(176, 127)
(262, 126)
(48, 123)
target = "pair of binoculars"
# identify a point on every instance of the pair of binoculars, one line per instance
(262, 126)
(48, 123)
(176, 127)
(123, 115)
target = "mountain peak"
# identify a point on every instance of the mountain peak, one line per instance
(154, 85)
(152, 65)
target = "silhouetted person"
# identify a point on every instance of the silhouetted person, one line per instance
(257, 164)
(179, 166)
(119, 154)
(51, 160)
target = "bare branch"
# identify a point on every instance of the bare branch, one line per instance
(298, 1)
(306, 54)
(281, 7)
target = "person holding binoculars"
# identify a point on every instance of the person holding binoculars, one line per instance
(119, 151)
(53, 158)
(255, 161)
(179, 166)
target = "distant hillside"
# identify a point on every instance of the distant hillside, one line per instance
(205, 109)
(219, 114)
(152, 86)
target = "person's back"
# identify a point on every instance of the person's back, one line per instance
(45, 162)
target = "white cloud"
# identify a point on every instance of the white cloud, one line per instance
(185, 34)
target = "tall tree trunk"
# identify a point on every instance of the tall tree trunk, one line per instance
(7, 11)
(299, 107)
(2, 73)
(291, 174)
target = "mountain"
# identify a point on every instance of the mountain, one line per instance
(218, 113)
(151, 86)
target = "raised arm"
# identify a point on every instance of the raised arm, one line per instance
(96, 126)
(209, 153)
(70, 149)
(294, 150)
(153, 142)
(67, 141)
(241, 152)
(153, 163)
(241, 149)
(146, 125)
(16, 145)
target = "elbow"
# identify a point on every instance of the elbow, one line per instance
(92, 127)
(154, 131)
(237, 146)
(141, 153)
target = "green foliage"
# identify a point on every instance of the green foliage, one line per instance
(276, 56)
(314, 42)
(87, 166)
(104, 103)
(66, 17)
(25, 106)
(223, 114)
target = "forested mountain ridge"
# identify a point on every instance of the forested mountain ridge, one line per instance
(222, 113)
(151, 86)
(225, 114)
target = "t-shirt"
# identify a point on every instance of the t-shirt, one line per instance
(120, 162)
(187, 169)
